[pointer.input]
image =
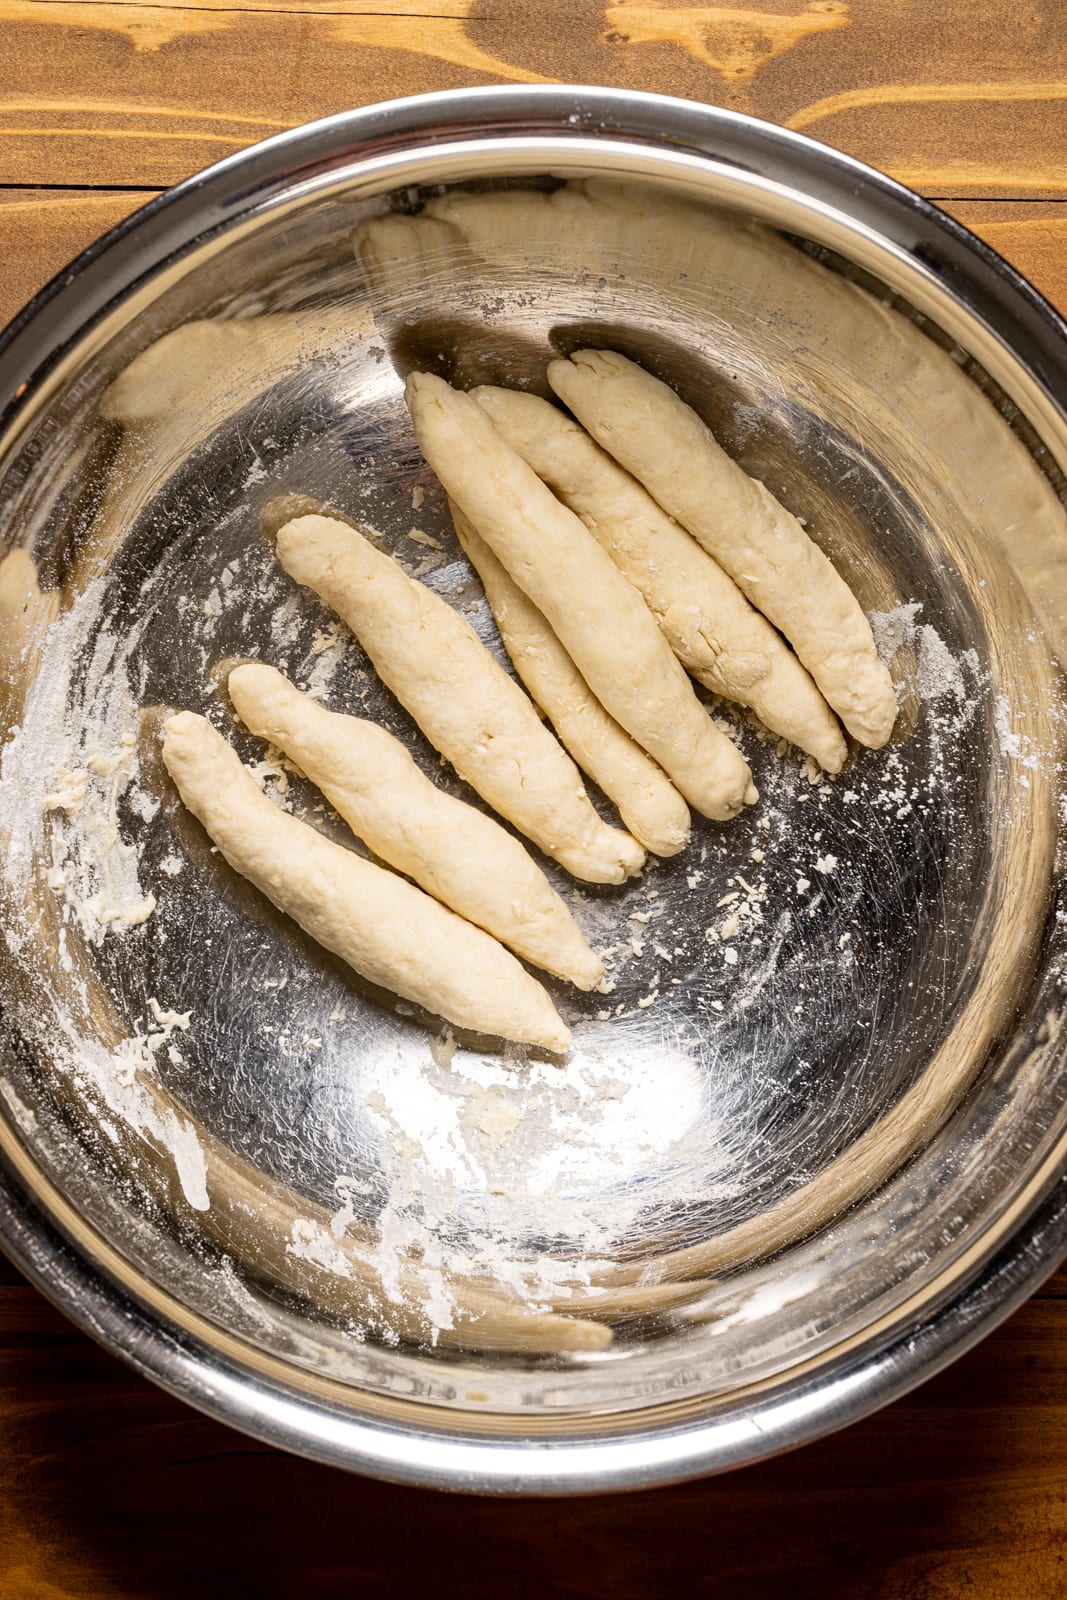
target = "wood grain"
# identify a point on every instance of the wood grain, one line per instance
(41, 230)
(143, 94)
(1032, 237)
(109, 1490)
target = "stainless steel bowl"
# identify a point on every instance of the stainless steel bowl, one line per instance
(829, 1152)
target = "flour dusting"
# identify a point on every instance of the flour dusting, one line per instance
(73, 865)
(64, 771)
(940, 678)
(531, 1174)
(505, 1171)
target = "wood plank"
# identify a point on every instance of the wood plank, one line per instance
(108, 1488)
(1055, 1288)
(1032, 237)
(42, 229)
(121, 92)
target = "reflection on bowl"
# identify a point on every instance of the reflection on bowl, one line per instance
(792, 1163)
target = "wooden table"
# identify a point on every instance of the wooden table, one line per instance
(109, 1490)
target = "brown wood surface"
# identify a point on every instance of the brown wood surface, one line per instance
(956, 97)
(109, 1490)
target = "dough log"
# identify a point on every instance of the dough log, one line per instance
(464, 702)
(716, 635)
(457, 854)
(599, 617)
(387, 930)
(648, 802)
(662, 441)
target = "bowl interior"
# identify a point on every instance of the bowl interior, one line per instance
(765, 1146)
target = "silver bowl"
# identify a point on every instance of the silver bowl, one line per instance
(826, 1154)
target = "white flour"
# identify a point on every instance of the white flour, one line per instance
(63, 772)
(527, 1175)
(940, 678)
(489, 1167)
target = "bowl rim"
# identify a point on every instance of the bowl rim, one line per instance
(787, 1413)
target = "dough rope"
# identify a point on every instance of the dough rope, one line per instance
(648, 802)
(384, 928)
(657, 437)
(465, 703)
(713, 630)
(598, 616)
(456, 853)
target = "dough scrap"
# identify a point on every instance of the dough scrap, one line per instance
(716, 634)
(648, 802)
(387, 930)
(456, 853)
(464, 702)
(656, 436)
(599, 617)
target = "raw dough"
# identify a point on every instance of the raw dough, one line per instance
(392, 933)
(648, 802)
(710, 626)
(663, 442)
(467, 705)
(599, 617)
(457, 854)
